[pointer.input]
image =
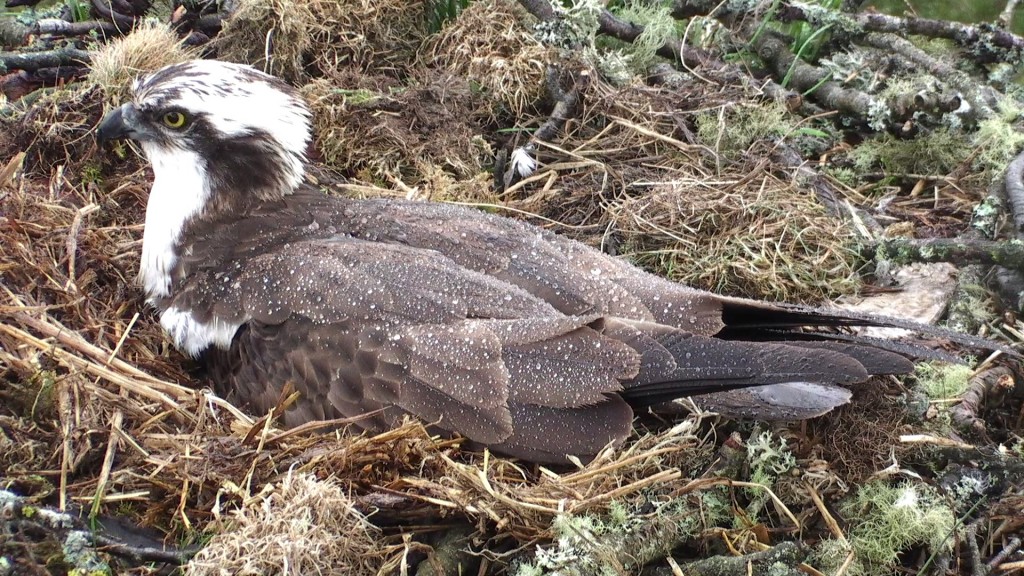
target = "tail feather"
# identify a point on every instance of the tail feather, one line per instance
(752, 320)
(763, 364)
(878, 361)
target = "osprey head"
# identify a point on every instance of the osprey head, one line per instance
(247, 130)
(222, 138)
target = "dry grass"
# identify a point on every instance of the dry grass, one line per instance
(766, 237)
(299, 525)
(633, 177)
(490, 45)
(383, 134)
(269, 34)
(122, 60)
(323, 38)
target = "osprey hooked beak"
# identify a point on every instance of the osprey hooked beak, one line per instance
(120, 124)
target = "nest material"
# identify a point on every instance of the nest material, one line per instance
(293, 528)
(490, 45)
(122, 60)
(635, 178)
(404, 133)
(296, 39)
(93, 398)
(767, 238)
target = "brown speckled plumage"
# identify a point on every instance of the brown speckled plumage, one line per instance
(517, 338)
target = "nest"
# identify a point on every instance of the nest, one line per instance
(99, 406)
(634, 178)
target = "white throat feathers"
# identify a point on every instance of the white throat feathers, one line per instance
(180, 190)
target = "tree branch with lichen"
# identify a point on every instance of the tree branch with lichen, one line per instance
(902, 251)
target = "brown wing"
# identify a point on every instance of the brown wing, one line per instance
(577, 279)
(571, 277)
(518, 339)
(358, 327)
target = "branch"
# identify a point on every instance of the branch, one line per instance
(972, 90)
(774, 560)
(1014, 186)
(58, 27)
(541, 9)
(993, 382)
(78, 541)
(33, 61)
(983, 39)
(906, 251)
(1011, 282)
(789, 157)
(775, 53)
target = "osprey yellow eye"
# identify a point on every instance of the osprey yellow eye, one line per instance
(174, 119)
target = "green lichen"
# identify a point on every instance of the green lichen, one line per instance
(623, 538)
(573, 26)
(986, 215)
(659, 27)
(768, 457)
(732, 131)
(999, 138)
(937, 152)
(942, 381)
(80, 554)
(884, 521)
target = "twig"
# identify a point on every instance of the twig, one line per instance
(1006, 16)
(71, 244)
(789, 157)
(143, 554)
(541, 9)
(779, 557)
(803, 77)
(105, 9)
(522, 162)
(1008, 550)
(973, 551)
(974, 92)
(72, 532)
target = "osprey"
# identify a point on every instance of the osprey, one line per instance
(518, 339)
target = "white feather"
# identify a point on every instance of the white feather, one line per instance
(191, 336)
(522, 162)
